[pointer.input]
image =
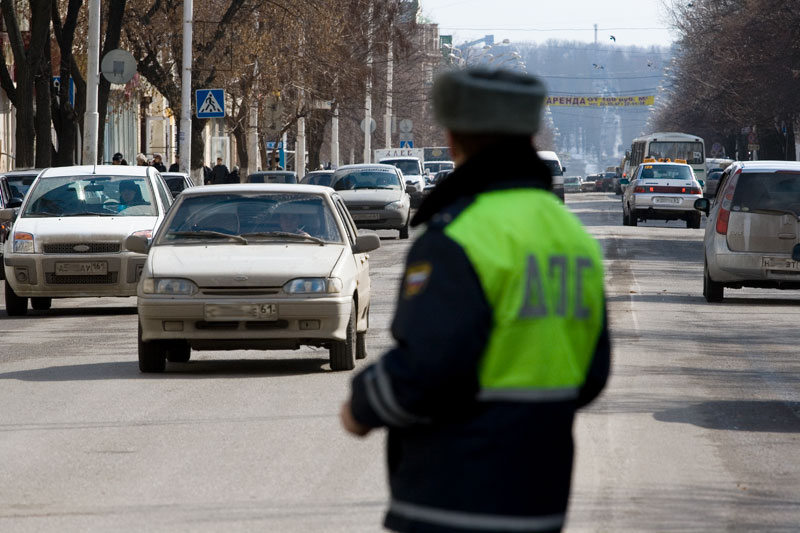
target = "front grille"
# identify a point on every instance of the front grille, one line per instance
(93, 248)
(105, 279)
(239, 291)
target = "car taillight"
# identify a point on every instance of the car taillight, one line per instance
(638, 189)
(725, 207)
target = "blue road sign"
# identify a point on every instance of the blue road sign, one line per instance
(210, 103)
(271, 145)
(57, 86)
(406, 144)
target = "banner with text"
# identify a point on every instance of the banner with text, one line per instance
(600, 101)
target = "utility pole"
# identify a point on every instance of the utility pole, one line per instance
(368, 98)
(92, 117)
(185, 138)
(389, 75)
(335, 137)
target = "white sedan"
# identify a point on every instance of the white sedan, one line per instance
(67, 240)
(254, 266)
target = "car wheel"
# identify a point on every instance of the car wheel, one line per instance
(361, 345)
(712, 290)
(152, 355)
(41, 303)
(404, 229)
(15, 305)
(693, 221)
(343, 353)
(179, 352)
(632, 219)
(625, 221)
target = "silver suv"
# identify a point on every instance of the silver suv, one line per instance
(753, 228)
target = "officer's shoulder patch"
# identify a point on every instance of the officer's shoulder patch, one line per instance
(416, 278)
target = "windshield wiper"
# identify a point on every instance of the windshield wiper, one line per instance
(372, 187)
(284, 234)
(208, 233)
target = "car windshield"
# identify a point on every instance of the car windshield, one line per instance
(714, 175)
(756, 191)
(553, 166)
(272, 177)
(571, 180)
(590, 178)
(251, 217)
(366, 179)
(408, 167)
(666, 172)
(318, 178)
(692, 152)
(66, 196)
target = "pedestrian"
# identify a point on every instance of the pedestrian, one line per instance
(176, 166)
(234, 176)
(207, 174)
(141, 160)
(219, 174)
(158, 164)
(500, 329)
(118, 159)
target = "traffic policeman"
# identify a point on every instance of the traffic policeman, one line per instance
(500, 329)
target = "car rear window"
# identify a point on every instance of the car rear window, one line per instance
(277, 177)
(666, 172)
(768, 191)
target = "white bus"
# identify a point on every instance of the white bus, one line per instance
(672, 146)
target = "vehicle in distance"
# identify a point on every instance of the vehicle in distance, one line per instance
(177, 182)
(712, 182)
(413, 174)
(258, 267)
(67, 240)
(375, 196)
(272, 176)
(589, 183)
(556, 171)
(572, 184)
(318, 177)
(432, 167)
(752, 233)
(661, 191)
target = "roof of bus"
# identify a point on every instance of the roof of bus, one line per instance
(669, 135)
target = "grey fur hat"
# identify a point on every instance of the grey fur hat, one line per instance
(488, 101)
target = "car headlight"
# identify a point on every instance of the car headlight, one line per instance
(398, 205)
(313, 286)
(169, 286)
(23, 242)
(146, 233)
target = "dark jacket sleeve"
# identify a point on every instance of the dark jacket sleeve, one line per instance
(441, 327)
(599, 369)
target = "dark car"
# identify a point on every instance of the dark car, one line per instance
(177, 182)
(19, 181)
(7, 201)
(273, 176)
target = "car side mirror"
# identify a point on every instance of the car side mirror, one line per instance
(410, 189)
(8, 215)
(702, 183)
(563, 169)
(796, 252)
(702, 204)
(14, 202)
(366, 243)
(624, 181)
(137, 244)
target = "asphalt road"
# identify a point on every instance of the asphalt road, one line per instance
(698, 430)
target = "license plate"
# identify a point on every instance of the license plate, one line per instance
(241, 312)
(669, 201)
(366, 216)
(88, 268)
(779, 263)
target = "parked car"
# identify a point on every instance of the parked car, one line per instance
(661, 191)
(7, 201)
(273, 176)
(318, 177)
(572, 184)
(177, 182)
(255, 267)
(375, 195)
(67, 240)
(752, 232)
(21, 180)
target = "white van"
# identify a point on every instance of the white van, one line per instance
(554, 164)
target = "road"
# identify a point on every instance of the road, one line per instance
(698, 430)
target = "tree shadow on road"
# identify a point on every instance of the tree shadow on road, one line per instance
(73, 311)
(769, 416)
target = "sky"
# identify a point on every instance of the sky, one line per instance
(631, 22)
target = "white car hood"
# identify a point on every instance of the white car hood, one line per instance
(371, 197)
(82, 229)
(262, 264)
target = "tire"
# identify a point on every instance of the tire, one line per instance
(693, 222)
(404, 229)
(361, 345)
(179, 352)
(625, 218)
(15, 305)
(41, 303)
(713, 291)
(632, 220)
(343, 353)
(152, 355)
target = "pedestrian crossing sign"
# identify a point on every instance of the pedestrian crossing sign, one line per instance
(407, 144)
(210, 103)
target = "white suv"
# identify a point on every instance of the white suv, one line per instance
(67, 240)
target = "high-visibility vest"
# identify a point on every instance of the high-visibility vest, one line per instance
(542, 274)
